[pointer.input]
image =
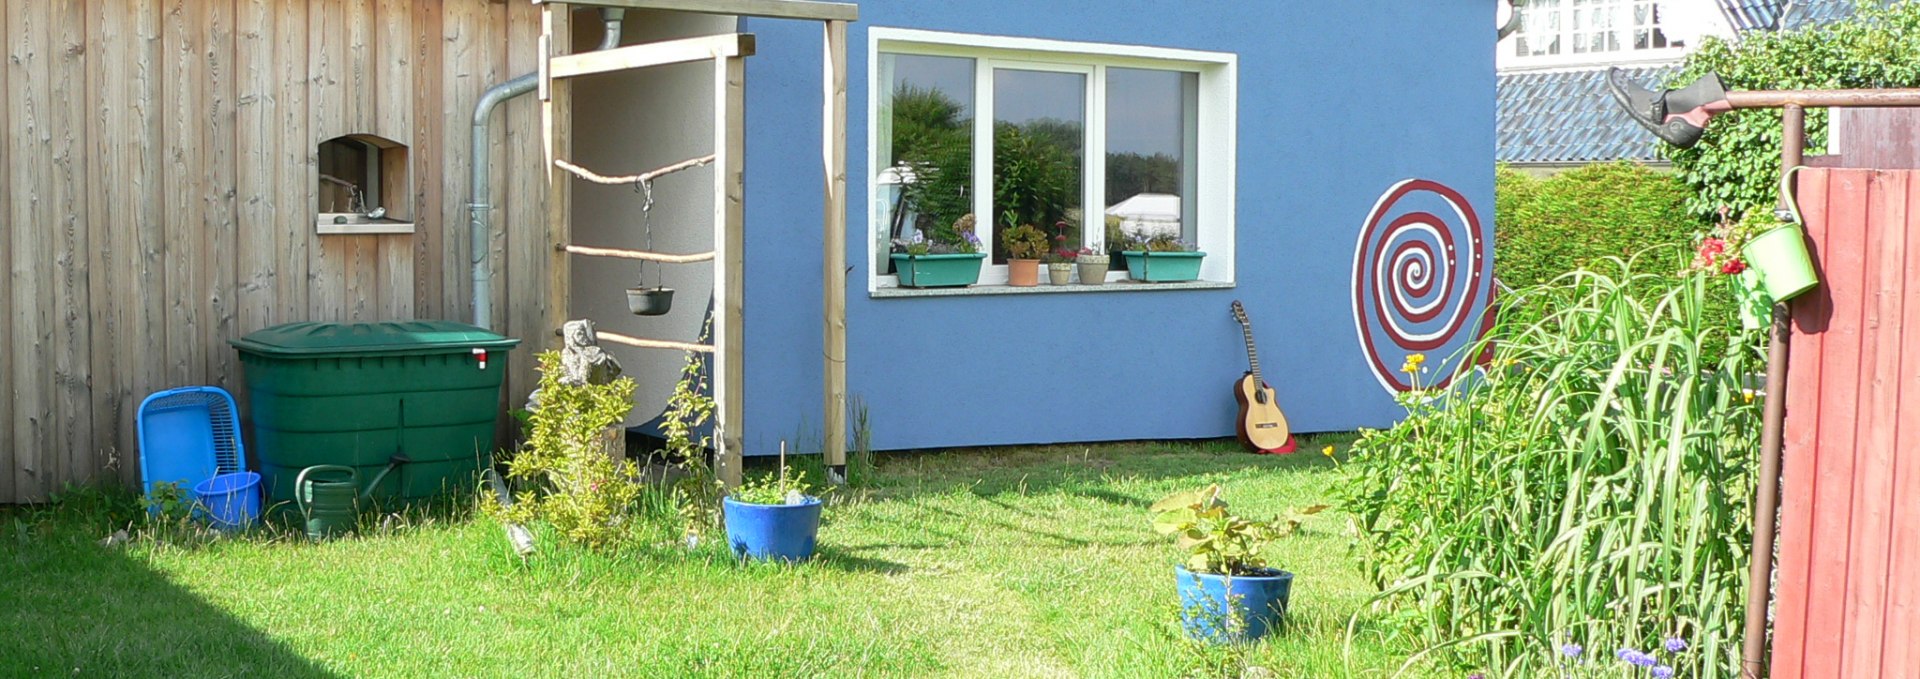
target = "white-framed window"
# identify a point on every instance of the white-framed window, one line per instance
(1586, 32)
(1105, 140)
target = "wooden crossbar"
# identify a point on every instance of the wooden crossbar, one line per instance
(644, 343)
(647, 176)
(619, 253)
(663, 53)
(775, 9)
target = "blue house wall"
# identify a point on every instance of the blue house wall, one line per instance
(1337, 103)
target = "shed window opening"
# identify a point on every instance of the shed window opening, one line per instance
(1095, 151)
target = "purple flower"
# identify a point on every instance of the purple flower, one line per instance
(1634, 657)
(1676, 644)
(1572, 650)
(1476, 675)
(1663, 672)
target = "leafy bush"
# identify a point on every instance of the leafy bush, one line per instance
(1547, 227)
(1737, 163)
(1593, 487)
(570, 480)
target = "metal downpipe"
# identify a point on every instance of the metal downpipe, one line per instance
(481, 176)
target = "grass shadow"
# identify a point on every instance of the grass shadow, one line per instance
(841, 559)
(74, 607)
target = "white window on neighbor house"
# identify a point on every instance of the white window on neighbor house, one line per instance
(1121, 140)
(1585, 32)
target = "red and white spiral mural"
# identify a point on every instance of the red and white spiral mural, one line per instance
(1422, 283)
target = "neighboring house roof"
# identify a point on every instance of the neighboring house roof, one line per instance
(1568, 117)
(1553, 117)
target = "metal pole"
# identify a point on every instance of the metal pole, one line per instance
(1766, 494)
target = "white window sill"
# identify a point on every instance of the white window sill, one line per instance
(1046, 289)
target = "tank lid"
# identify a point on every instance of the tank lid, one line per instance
(308, 339)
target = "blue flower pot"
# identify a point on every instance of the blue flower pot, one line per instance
(1163, 267)
(1224, 609)
(938, 271)
(773, 532)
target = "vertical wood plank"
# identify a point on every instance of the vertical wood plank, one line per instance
(1839, 404)
(9, 464)
(360, 254)
(328, 116)
(70, 338)
(393, 119)
(429, 100)
(729, 276)
(294, 173)
(525, 225)
(184, 86)
(464, 69)
(495, 60)
(1900, 657)
(1801, 436)
(556, 139)
(260, 226)
(218, 230)
(145, 178)
(1866, 595)
(29, 50)
(833, 141)
(106, 73)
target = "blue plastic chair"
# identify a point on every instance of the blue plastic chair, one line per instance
(188, 435)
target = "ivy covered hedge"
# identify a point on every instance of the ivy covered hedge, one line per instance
(1572, 220)
(1737, 163)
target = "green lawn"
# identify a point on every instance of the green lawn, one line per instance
(1002, 563)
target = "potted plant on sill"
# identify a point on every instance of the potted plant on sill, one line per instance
(773, 518)
(1161, 259)
(1060, 266)
(950, 259)
(1025, 244)
(1092, 265)
(1227, 592)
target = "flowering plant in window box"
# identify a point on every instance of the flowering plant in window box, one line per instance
(1093, 266)
(1161, 258)
(950, 259)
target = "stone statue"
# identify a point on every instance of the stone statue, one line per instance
(582, 361)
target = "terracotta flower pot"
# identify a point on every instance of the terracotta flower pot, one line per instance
(1023, 273)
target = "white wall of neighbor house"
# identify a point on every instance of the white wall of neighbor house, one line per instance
(626, 123)
(1582, 34)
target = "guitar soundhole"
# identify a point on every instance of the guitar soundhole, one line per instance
(1261, 397)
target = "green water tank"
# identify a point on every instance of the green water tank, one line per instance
(421, 397)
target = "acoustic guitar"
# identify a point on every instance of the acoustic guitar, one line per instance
(1261, 426)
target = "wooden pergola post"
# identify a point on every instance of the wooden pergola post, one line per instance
(556, 125)
(729, 272)
(833, 283)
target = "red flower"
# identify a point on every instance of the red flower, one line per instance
(1733, 266)
(1712, 246)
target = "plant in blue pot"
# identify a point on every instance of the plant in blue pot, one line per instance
(1161, 258)
(1227, 591)
(946, 258)
(773, 518)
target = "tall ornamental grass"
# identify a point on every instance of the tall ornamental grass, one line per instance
(1590, 487)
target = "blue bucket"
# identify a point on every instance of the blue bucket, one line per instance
(773, 532)
(232, 501)
(1221, 609)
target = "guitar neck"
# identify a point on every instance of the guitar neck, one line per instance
(1253, 357)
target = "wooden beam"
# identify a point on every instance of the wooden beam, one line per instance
(643, 255)
(556, 122)
(650, 175)
(773, 9)
(644, 343)
(833, 282)
(663, 53)
(729, 279)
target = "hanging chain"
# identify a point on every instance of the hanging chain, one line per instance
(645, 188)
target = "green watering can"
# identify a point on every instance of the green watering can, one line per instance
(329, 497)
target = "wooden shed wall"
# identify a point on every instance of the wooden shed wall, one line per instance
(1849, 570)
(158, 197)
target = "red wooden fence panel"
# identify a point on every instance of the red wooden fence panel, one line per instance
(1849, 564)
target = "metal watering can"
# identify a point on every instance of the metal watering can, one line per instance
(329, 497)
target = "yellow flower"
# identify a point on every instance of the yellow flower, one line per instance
(1417, 359)
(1747, 395)
(1327, 451)
(1409, 367)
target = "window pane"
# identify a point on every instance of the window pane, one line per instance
(925, 149)
(1039, 136)
(1152, 137)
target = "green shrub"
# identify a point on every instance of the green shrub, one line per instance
(567, 476)
(1737, 164)
(1594, 487)
(1544, 228)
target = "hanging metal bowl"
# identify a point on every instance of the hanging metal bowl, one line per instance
(649, 301)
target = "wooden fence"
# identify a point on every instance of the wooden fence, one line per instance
(1849, 571)
(158, 196)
